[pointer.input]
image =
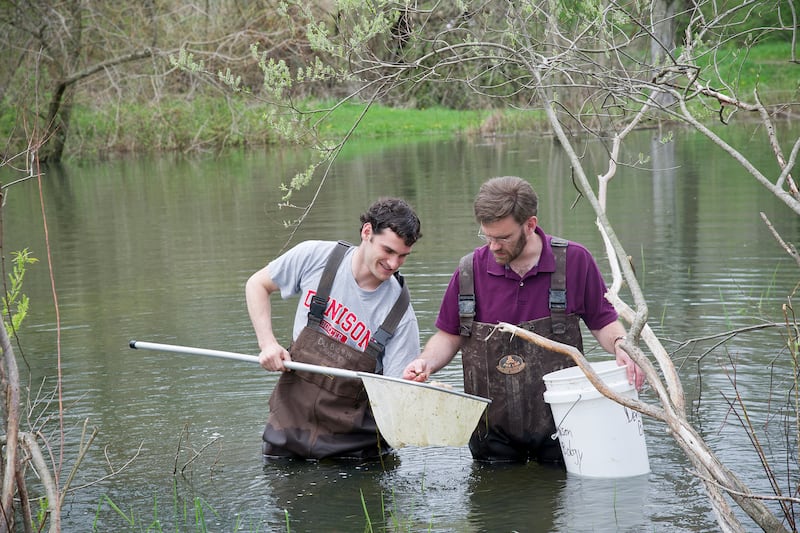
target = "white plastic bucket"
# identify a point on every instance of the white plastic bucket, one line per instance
(598, 436)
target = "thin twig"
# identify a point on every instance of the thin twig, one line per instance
(787, 246)
(198, 452)
(114, 471)
(85, 444)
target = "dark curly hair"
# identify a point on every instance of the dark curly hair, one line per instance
(395, 214)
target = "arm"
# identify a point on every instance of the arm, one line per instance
(610, 337)
(403, 347)
(439, 350)
(258, 289)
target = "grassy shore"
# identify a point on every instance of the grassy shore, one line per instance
(214, 124)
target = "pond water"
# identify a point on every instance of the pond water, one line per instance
(158, 249)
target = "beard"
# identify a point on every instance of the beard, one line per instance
(504, 257)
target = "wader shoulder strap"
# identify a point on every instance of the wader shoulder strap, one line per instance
(319, 302)
(466, 295)
(558, 286)
(379, 338)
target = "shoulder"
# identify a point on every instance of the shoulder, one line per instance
(468, 259)
(470, 263)
(312, 246)
(581, 262)
(306, 255)
(574, 248)
(579, 251)
(579, 258)
(312, 251)
(479, 255)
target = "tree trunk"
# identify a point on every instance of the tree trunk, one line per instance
(11, 378)
(662, 42)
(59, 112)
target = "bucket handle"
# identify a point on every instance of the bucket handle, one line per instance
(554, 436)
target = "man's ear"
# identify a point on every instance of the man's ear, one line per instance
(366, 231)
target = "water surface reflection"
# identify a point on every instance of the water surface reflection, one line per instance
(159, 249)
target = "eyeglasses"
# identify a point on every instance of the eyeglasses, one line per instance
(497, 240)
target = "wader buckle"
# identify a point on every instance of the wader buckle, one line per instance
(558, 299)
(317, 307)
(466, 305)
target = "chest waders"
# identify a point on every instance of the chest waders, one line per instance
(518, 425)
(314, 416)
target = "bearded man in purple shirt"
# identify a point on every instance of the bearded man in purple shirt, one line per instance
(539, 282)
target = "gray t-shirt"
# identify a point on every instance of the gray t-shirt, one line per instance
(352, 314)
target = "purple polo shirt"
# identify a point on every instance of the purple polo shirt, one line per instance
(502, 296)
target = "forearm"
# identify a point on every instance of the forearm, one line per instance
(259, 309)
(439, 350)
(608, 336)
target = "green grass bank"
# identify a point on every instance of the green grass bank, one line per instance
(213, 124)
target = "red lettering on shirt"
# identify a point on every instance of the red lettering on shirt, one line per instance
(342, 323)
(309, 296)
(343, 314)
(333, 308)
(347, 323)
(332, 332)
(360, 331)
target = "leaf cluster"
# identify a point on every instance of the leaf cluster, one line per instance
(15, 302)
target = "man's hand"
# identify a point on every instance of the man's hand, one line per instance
(417, 370)
(272, 357)
(634, 373)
